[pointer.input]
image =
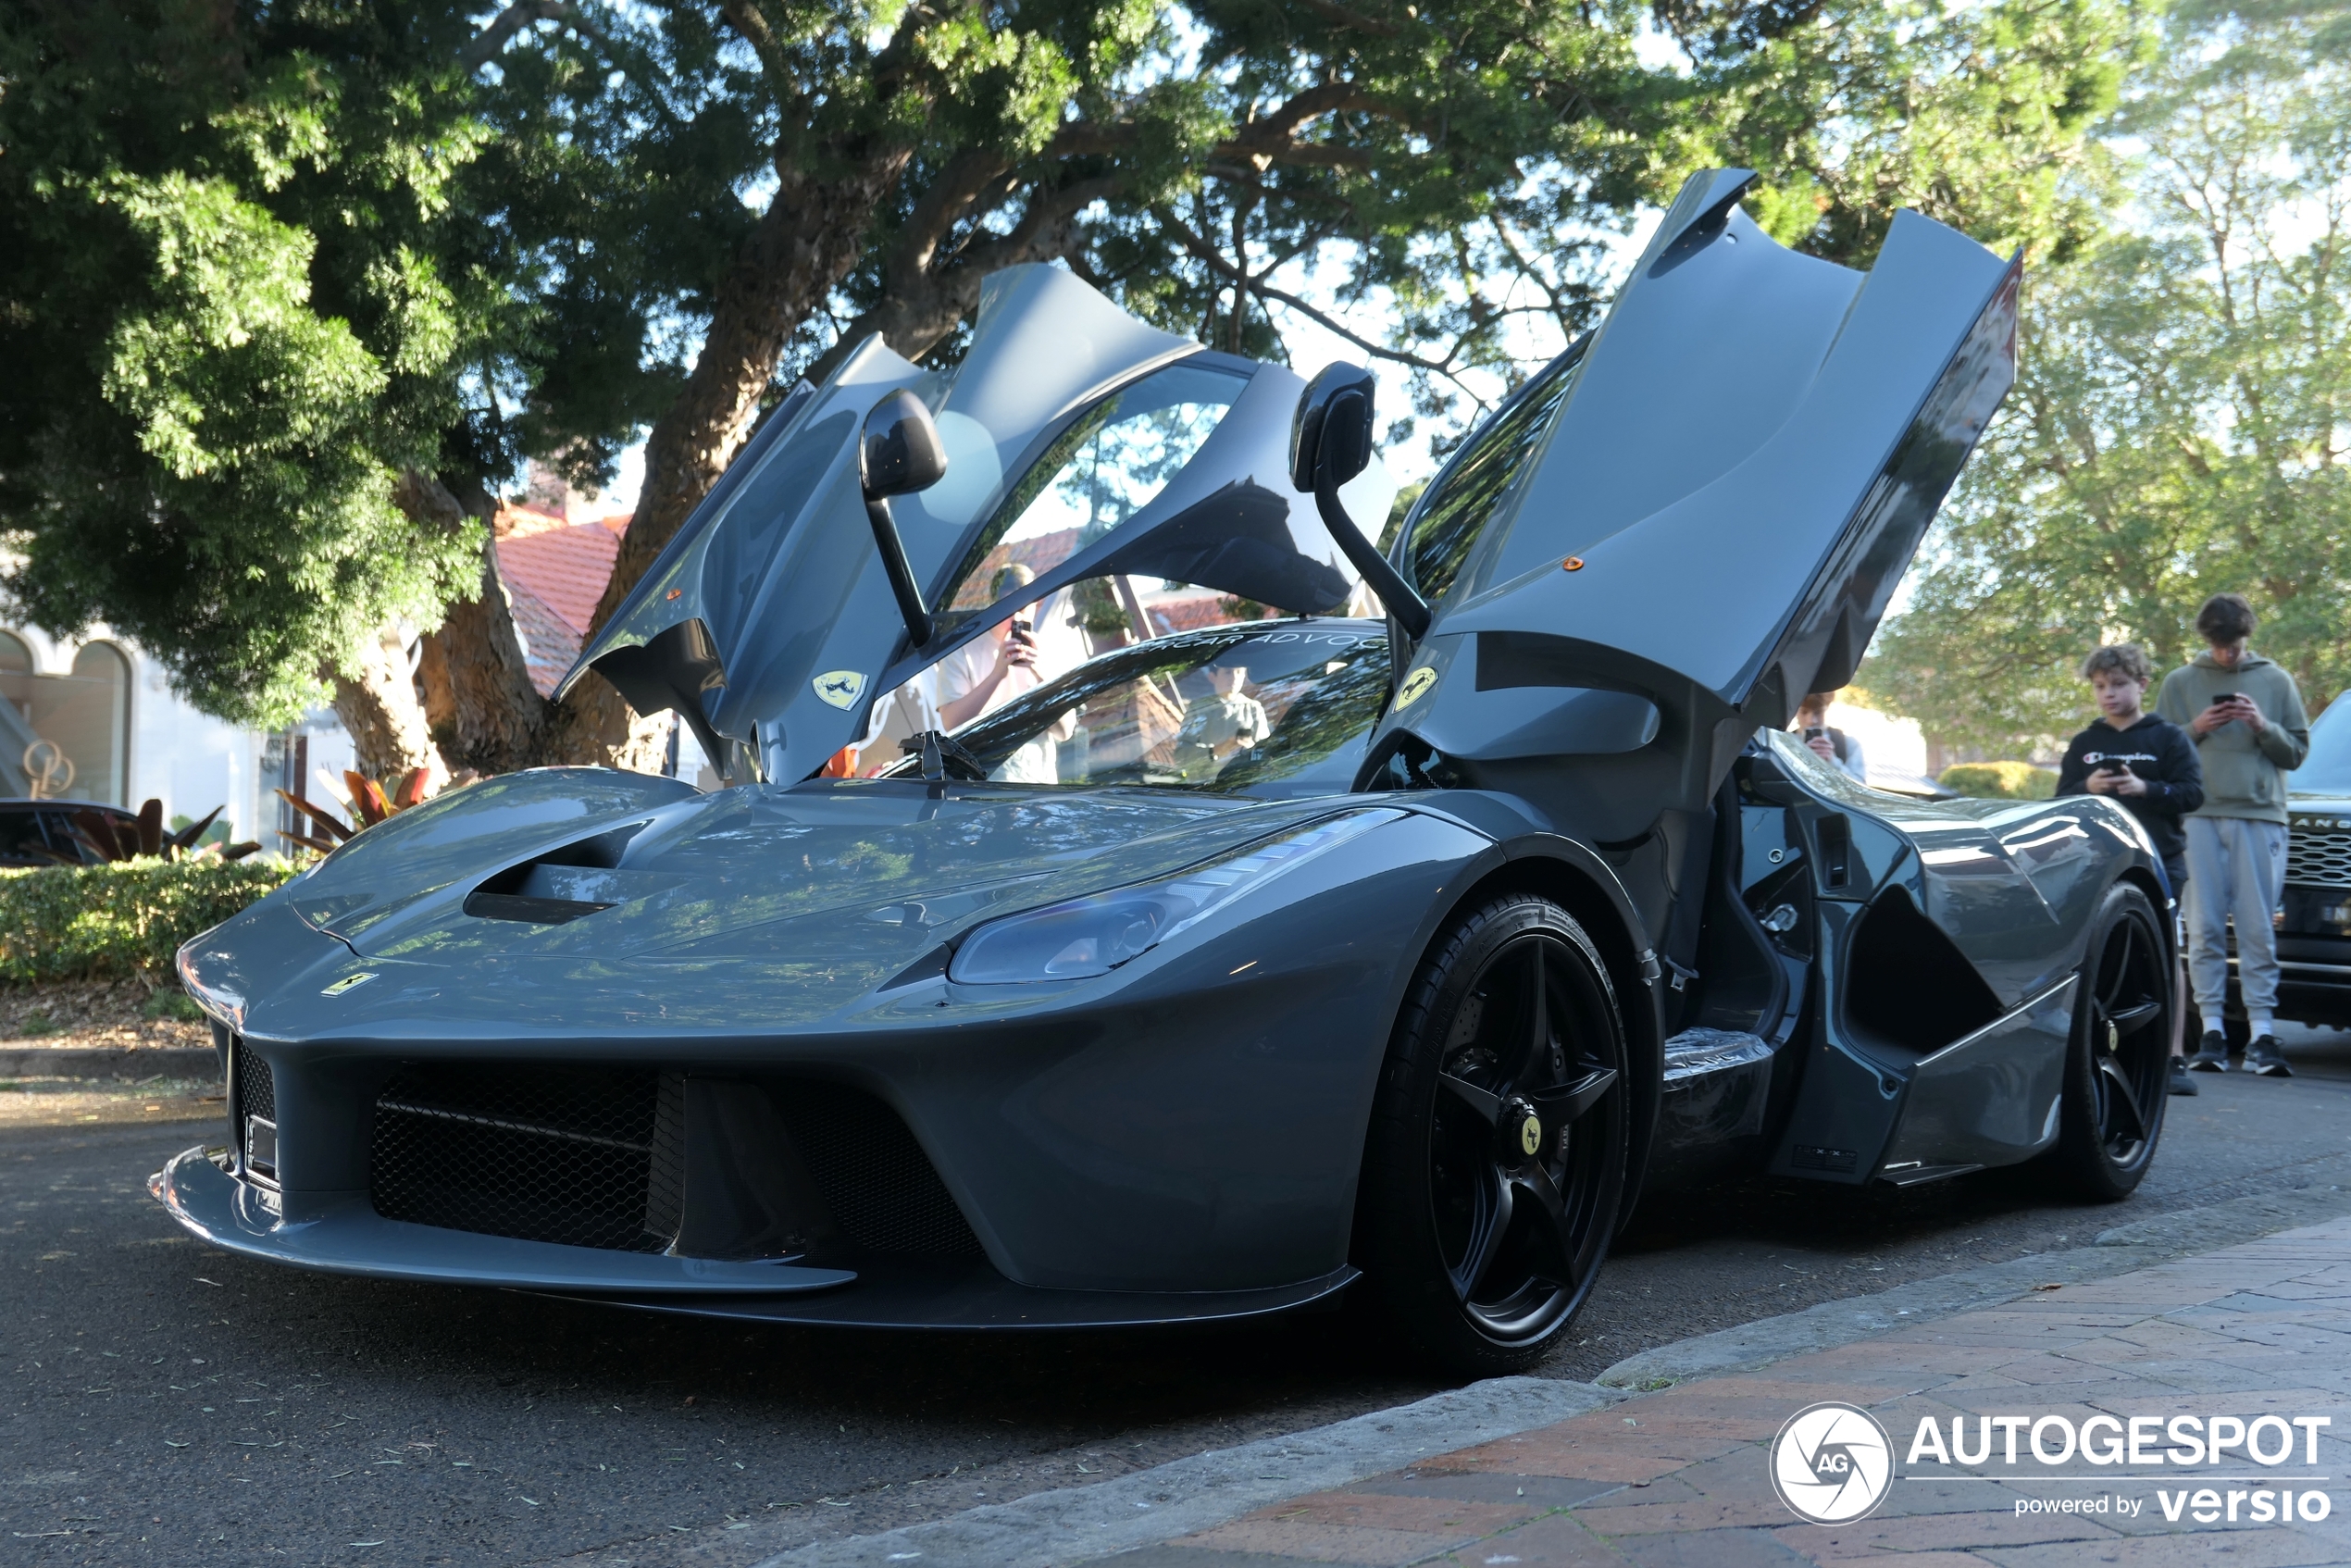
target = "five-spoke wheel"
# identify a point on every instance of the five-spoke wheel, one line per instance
(1497, 1160)
(2117, 1072)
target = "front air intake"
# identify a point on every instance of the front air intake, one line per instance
(561, 1154)
(883, 1192)
(594, 1157)
(252, 1111)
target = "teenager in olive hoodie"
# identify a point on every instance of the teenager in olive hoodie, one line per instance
(2246, 719)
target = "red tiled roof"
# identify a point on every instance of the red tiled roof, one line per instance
(565, 568)
(549, 646)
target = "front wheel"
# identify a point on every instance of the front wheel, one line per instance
(2118, 1063)
(1499, 1141)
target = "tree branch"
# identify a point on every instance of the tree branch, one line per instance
(505, 25)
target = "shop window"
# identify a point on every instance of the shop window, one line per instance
(71, 735)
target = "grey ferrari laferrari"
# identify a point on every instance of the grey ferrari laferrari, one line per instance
(1395, 938)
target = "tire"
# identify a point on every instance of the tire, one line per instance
(1496, 1161)
(2117, 1067)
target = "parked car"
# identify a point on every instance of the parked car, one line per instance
(2314, 917)
(1313, 954)
(40, 832)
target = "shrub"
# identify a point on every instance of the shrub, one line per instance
(119, 921)
(2000, 780)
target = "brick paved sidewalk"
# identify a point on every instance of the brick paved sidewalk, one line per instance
(1679, 1477)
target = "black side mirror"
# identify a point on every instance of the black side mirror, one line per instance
(1331, 432)
(899, 452)
(1330, 442)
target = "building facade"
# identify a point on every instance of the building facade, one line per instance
(95, 719)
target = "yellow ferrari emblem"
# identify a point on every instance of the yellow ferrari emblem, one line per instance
(347, 982)
(1416, 686)
(1530, 1135)
(839, 687)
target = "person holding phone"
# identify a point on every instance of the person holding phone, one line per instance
(1830, 746)
(2143, 762)
(2245, 717)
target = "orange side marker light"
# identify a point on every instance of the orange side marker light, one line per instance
(1572, 564)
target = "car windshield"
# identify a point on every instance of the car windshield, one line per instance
(2327, 770)
(1283, 706)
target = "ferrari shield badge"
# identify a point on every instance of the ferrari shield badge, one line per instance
(839, 687)
(1416, 687)
(348, 982)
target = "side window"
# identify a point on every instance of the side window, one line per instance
(1463, 500)
(1104, 467)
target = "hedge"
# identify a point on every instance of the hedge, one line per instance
(119, 921)
(2000, 780)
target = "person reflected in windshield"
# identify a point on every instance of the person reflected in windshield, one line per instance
(1184, 712)
(1226, 720)
(982, 676)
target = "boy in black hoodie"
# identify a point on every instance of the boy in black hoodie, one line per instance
(2142, 762)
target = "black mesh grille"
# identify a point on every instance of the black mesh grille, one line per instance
(881, 1188)
(537, 1154)
(257, 1092)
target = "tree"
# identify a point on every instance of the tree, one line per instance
(655, 218)
(231, 294)
(2177, 427)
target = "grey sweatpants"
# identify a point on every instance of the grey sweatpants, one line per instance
(2236, 866)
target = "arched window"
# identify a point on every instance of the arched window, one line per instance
(92, 722)
(69, 737)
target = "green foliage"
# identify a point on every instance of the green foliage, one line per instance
(2176, 428)
(173, 1005)
(257, 263)
(234, 300)
(2000, 780)
(1978, 116)
(120, 920)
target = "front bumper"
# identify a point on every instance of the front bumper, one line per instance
(345, 1235)
(350, 1238)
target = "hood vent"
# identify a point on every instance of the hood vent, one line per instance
(560, 886)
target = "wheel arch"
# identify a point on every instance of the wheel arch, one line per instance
(1579, 881)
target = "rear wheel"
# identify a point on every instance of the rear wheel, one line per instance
(1496, 1157)
(2118, 1068)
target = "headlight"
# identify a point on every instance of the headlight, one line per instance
(1098, 933)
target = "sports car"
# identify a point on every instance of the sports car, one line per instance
(1397, 941)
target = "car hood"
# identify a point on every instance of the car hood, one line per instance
(1737, 474)
(768, 621)
(814, 894)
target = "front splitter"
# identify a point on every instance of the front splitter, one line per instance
(343, 1234)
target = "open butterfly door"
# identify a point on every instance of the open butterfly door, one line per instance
(1080, 442)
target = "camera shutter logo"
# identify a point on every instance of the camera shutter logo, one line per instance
(1831, 1464)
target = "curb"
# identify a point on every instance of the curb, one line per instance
(112, 1062)
(1831, 1324)
(1080, 1524)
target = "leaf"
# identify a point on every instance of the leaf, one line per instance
(194, 830)
(324, 818)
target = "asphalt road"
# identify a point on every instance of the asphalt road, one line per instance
(174, 1404)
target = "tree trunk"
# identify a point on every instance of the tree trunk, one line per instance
(497, 721)
(380, 713)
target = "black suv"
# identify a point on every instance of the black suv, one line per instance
(2314, 917)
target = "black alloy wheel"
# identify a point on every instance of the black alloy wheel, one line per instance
(1496, 1159)
(2117, 1067)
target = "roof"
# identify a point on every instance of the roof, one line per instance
(555, 574)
